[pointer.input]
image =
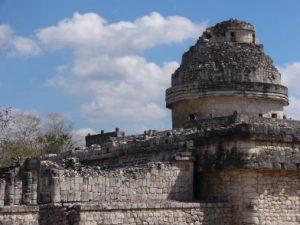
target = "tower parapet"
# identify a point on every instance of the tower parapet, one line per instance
(225, 72)
(231, 31)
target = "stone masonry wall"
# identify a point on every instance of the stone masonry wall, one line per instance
(19, 215)
(153, 181)
(171, 213)
(240, 153)
(224, 106)
(11, 190)
(257, 197)
(55, 214)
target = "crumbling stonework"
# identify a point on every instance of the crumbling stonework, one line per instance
(231, 159)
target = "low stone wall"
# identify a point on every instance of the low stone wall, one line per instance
(153, 181)
(167, 213)
(121, 213)
(19, 215)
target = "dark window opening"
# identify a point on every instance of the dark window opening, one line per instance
(298, 166)
(208, 36)
(232, 36)
(192, 117)
(274, 115)
(199, 186)
(253, 38)
(282, 166)
(260, 115)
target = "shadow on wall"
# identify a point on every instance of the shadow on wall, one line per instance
(214, 158)
(182, 187)
(256, 196)
(59, 215)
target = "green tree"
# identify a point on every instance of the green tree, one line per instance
(18, 133)
(25, 135)
(57, 136)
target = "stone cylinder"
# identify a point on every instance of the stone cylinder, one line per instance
(55, 190)
(2, 191)
(9, 191)
(27, 188)
(34, 188)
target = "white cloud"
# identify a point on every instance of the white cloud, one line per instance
(78, 136)
(105, 109)
(109, 66)
(92, 31)
(24, 46)
(5, 34)
(291, 78)
(16, 45)
(293, 110)
(62, 68)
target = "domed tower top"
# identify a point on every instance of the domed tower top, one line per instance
(226, 72)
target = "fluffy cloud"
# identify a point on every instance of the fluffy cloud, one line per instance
(15, 45)
(291, 78)
(5, 34)
(110, 68)
(90, 31)
(292, 111)
(23, 46)
(78, 136)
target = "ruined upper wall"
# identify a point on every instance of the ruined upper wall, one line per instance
(231, 31)
(205, 134)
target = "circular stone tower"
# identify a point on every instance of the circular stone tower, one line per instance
(224, 73)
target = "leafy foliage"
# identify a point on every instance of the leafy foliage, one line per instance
(25, 135)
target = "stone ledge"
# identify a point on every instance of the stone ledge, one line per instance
(245, 89)
(144, 205)
(19, 209)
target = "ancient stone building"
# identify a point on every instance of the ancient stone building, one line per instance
(226, 72)
(232, 158)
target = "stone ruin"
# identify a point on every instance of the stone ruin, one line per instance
(232, 158)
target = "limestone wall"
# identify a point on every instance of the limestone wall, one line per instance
(224, 106)
(171, 213)
(55, 214)
(19, 215)
(154, 181)
(241, 36)
(257, 197)
(122, 213)
(11, 189)
(247, 154)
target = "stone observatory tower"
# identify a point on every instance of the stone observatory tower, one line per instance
(224, 73)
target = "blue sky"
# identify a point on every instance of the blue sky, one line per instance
(105, 64)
